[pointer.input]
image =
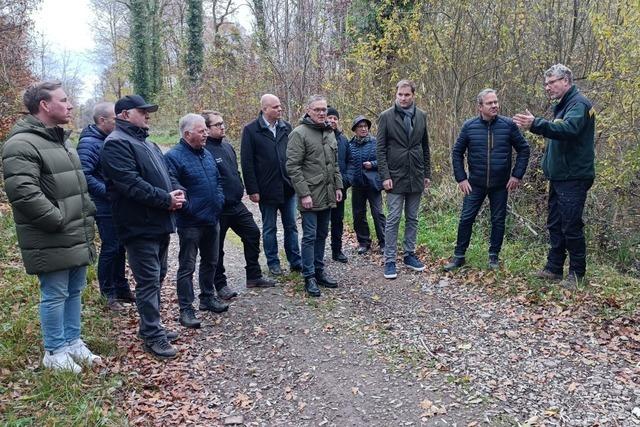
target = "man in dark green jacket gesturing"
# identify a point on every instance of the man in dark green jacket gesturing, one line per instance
(312, 165)
(54, 218)
(568, 164)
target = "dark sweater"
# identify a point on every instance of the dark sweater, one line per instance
(227, 162)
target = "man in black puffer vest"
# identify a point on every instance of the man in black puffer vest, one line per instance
(488, 141)
(235, 214)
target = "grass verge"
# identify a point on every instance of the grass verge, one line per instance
(611, 291)
(30, 395)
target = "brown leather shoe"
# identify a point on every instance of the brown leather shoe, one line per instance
(547, 275)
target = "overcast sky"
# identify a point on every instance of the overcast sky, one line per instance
(66, 26)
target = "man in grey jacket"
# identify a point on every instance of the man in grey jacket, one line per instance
(404, 165)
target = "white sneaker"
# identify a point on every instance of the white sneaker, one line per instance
(60, 360)
(81, 354)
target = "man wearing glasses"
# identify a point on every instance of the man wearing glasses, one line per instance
(568, 164)
(235, 215)
(312, 164)
(263, 153)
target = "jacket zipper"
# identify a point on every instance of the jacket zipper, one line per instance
(489, 147)
(83, 210)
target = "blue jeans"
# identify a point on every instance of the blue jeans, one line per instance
(112, 261)
(269, 232)
(60, 306)
(315, 227)
(565, 225)
(192, 240)
(470, 208)
(148, 262)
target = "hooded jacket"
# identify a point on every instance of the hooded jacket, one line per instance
(312, 164)
(89, 147)
(52, 209)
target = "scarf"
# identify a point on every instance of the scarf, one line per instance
(407, 117)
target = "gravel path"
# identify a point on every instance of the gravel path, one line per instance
(420, 350)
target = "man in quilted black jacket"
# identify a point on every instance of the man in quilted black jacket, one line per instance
(488, 141)
(111, 262)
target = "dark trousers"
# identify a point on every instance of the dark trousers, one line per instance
(240, 220)
(337, 227)
(565, 225)
(112, 260)
(148, 262)
(315, 228)
(192, 240)
(360, 196)
(470, 208)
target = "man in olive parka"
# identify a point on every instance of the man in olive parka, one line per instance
(54, 218)
(312, 165)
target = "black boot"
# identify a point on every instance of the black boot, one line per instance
(311, 286)
(454, 263)
(213, 304)
(494, 262)
(188, 318)
(340, 257)
(326, 281)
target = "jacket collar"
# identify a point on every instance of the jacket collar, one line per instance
(197, 151)
(262, 122)
(572, 92)
(214, 141)
(306, 120)
(487, 122)
(131, 129)
(31, 124)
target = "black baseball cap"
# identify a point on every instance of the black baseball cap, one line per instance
(134, 101)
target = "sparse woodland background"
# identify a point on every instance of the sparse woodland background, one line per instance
(187, 55)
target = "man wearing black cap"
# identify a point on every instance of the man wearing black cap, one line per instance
(337, 213)
(143, 197)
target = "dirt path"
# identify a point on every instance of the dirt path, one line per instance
(420, 350)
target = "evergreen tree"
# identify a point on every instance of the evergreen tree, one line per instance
(194, 57)
(140, 48)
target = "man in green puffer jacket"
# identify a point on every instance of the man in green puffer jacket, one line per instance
(312, 165)
(54, 218)
(569, 165)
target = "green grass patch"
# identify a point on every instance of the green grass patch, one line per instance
(29, 394)
(165, 138)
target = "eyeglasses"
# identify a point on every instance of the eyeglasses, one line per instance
(550, 82)
(217, 125)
